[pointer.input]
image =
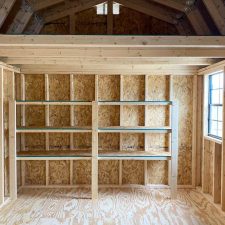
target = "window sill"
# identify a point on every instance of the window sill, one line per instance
(218, 141)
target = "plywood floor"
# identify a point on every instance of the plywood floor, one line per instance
(131, 206)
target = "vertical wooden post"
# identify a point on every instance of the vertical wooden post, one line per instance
(223, 151)
(217, 173)
(94, 151)
(121, 135)
(194, 130)
(12, 139)
(72, 124)
(145, 135)
(47, 124)
(23, 123)
(110, 17)
(1, 139)
(170, 123)
(174, 149)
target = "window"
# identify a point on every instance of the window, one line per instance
(215, 116)
(102, 9)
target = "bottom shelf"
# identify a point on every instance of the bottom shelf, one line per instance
(86, 155)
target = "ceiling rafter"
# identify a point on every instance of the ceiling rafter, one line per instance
(216, 9)
(42, 4)
(59, 12)
(5, 7)
(147, 8)
(21, 19)
(172, 4)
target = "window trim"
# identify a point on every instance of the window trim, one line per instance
(209, 77)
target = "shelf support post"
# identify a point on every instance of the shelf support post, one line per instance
(94, 183)
(174, 150)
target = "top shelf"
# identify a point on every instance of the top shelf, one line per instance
(102, 102)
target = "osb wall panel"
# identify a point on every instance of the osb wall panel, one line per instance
(109, 141)
(132, 142)
(183, 93)
(83, 115)
(34, 142)
(35, 172)
(157, 88)
(84, 87)
(59, 87)
(133, 88)
(35, 116)
(82, 141)
(133, 172)
(34, 87)
(59, 141)
(109, 116)
(108, 172)
(59, 116)
(59, 172)
(109, 87)
(82, 172)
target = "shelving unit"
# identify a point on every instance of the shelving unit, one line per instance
(102, 106)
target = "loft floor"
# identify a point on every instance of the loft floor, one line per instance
(125, 206)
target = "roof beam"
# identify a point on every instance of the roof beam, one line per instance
(60, 12)
(5, 7)
(147, 8)
(39, 5)
(216, 9)
(199, 24)
(172, 4)
(111, 41)
(21, 19)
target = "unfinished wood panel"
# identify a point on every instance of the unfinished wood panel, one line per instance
(59, 87)
(34, 142)
(109, 116)
(59, 141)
(158, 88)
(132, 172)
(84, 87)
(108, 172)
(35, 87)
(35, 172)
(82, 172)
(59, 172)
(109, 141)
(133, 88)
(217, 165)
(59, 116)
(109, 87)
(82, 115)
(35, 116)
(183, 94)
(82, 141)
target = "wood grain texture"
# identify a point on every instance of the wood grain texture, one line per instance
(82, 172)
(145, 206)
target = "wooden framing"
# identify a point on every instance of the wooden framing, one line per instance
(110, 17)
(2, 157)
(5, 9)
(223, 155)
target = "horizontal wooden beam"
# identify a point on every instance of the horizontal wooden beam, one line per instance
(110, 41)
(5, 7)
(147, 8)
(110, 61)
(172, 4)
(106, 69)
(63, 12)
(39, 5)
(213, 68)
(113, 52)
